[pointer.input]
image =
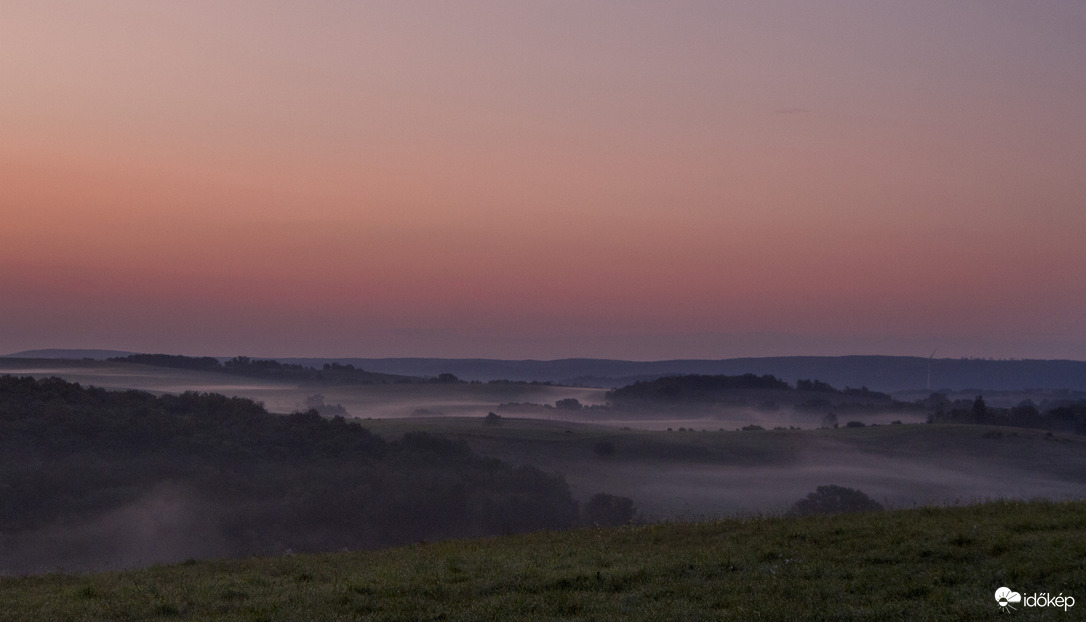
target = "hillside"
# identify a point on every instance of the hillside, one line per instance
(918, 564)
(879, 373)
(104, 479)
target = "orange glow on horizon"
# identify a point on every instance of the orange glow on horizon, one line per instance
(343, 175)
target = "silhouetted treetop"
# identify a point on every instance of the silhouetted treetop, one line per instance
(70, 453)
(834, 500)
(267, 368)
(694, 387)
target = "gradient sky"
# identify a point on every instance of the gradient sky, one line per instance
(546, 179)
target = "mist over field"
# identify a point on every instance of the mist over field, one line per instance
(170, 523)
(676, 447)
(703, 473)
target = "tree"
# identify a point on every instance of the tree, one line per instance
(834, 500)
(980, 410)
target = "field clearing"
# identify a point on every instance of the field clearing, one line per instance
(925, 563)
(691, 474)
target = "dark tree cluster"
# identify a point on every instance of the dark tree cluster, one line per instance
(304, 482)
(834, 500)
(816, 386)
(266, 368)
(693, 387)
(1060, 416)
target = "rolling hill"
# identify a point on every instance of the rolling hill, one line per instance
(917, 564)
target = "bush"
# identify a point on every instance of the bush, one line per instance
(834, 500)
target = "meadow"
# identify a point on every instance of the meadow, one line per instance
(918, 564)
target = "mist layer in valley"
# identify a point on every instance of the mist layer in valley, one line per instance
(679, 449)
(691, 473)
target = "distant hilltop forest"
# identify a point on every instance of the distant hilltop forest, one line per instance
(880, 373)
(768, 393)
(268, 368)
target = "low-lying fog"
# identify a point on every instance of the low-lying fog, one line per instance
(670, 490)
(726, 473)
(696, 470)
(170, 524)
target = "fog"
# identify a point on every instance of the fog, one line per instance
(694, 474)
(169, 524)
(701, 469)
(736, 418)
(359, 400)
(678, 491)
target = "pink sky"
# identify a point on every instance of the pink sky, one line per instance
(544, 179)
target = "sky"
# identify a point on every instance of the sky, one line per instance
(640, 180)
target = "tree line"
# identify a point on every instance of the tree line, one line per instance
(274, 482)
(1068, 416)
(267, 369)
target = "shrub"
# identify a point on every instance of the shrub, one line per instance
(834, 500)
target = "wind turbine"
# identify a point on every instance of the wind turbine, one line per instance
(929, 368)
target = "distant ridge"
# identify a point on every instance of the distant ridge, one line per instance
(56, 353)
(880, 373)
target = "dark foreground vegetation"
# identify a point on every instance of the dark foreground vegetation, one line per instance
(92, 477)
(919, 564)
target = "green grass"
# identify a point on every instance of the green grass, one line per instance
(925, 563)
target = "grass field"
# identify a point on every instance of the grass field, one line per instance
(917, 564)
(693, 473)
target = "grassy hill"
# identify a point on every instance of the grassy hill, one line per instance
(925, 563)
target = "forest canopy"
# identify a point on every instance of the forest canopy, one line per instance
(269, 483)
